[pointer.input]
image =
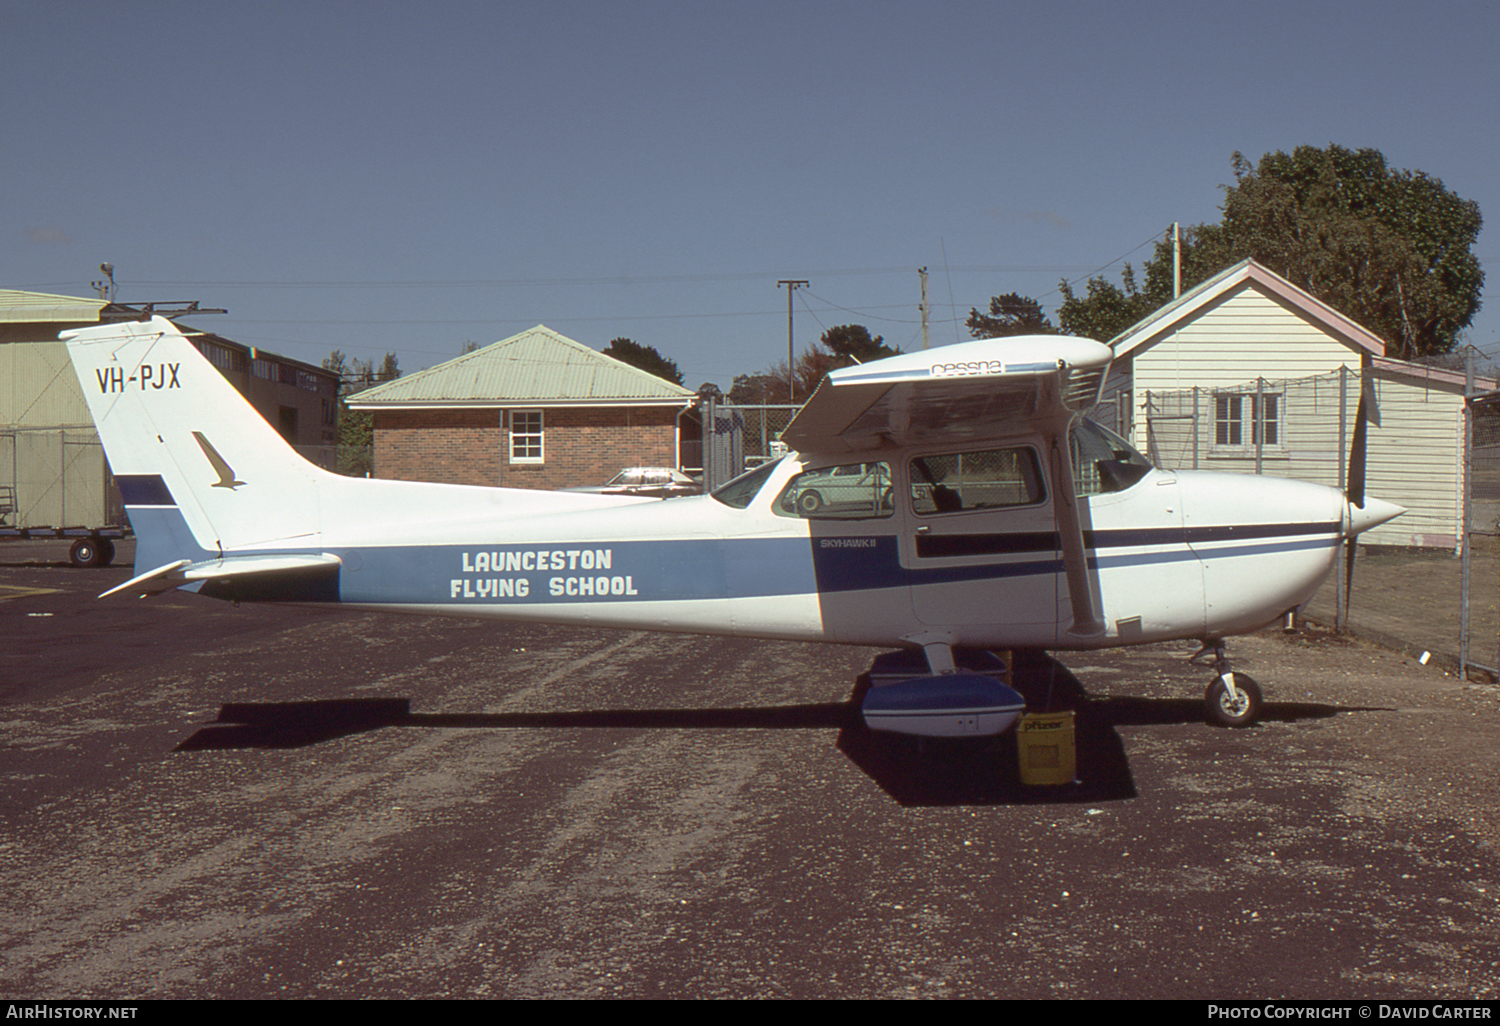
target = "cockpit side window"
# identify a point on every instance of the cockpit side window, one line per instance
(1103, 461)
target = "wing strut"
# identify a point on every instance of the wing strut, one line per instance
(1070, 527)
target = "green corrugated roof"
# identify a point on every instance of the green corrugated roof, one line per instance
(39, 307)
(537, 366)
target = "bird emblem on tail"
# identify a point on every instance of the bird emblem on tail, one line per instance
(223, 469)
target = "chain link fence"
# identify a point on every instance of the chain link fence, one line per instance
(735, 439)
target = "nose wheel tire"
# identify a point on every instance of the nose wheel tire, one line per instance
(1237, 710)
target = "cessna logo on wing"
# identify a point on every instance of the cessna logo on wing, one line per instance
(223, 469)
(960, 369)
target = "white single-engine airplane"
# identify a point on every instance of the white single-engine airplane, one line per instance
(944, 503)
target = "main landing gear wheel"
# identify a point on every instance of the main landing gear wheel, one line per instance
(91, 552)
(1237, 710)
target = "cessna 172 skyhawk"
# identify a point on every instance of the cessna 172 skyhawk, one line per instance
(945, 502)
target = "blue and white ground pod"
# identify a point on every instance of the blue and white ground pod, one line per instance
(950, 705)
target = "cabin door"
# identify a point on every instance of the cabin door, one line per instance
(980, 544)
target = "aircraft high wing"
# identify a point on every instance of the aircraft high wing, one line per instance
(946, 503)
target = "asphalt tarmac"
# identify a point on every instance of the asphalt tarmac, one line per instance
(209, 801)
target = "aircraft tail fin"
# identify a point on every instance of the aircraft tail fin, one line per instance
(200, 471)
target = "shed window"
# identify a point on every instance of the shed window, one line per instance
(1247, 419)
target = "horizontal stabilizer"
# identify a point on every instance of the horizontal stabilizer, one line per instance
(227, 570)
(152, 582)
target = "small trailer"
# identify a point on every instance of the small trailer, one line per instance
(54, 479)
(54, 483)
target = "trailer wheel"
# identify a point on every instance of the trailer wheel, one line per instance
(91, 552)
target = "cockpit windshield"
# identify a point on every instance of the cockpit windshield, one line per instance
(742, 490)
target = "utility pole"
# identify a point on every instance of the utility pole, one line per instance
(791, 363)
(106, 291)
(922, 271)
(1176, 260)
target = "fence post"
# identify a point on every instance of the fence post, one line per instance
(1343, 483)
(1258, 419)
(1468, 512)
(1196, 441)
(1152, 453)
(710, 472)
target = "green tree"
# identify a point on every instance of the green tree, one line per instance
(1010, 314)
(840, 346)
(1391, 249)
(853, 343)
(763, 389)
(356, 438)
(645, 358)
(1106, 309)
(356, 445)
(337, 363)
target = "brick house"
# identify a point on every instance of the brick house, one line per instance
(536, 410)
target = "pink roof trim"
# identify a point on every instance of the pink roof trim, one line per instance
(1187, 306)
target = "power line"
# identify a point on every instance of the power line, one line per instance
(1112, 263)
(613, 280)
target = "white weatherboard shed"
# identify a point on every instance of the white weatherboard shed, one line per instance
(1243, 373)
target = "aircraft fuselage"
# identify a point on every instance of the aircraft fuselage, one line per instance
(1174, 555)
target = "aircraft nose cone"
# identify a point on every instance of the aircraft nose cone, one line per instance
(1372, 514)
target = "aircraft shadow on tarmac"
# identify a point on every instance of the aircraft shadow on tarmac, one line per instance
(913, 771)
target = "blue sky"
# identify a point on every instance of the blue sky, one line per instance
(383, 176)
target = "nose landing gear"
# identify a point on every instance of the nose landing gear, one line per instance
(1232, 699)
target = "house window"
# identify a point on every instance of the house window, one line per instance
(526, 436)
(1247, 419)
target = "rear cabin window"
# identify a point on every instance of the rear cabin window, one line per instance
(854, 491)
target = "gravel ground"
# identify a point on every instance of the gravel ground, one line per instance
(208, 801)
